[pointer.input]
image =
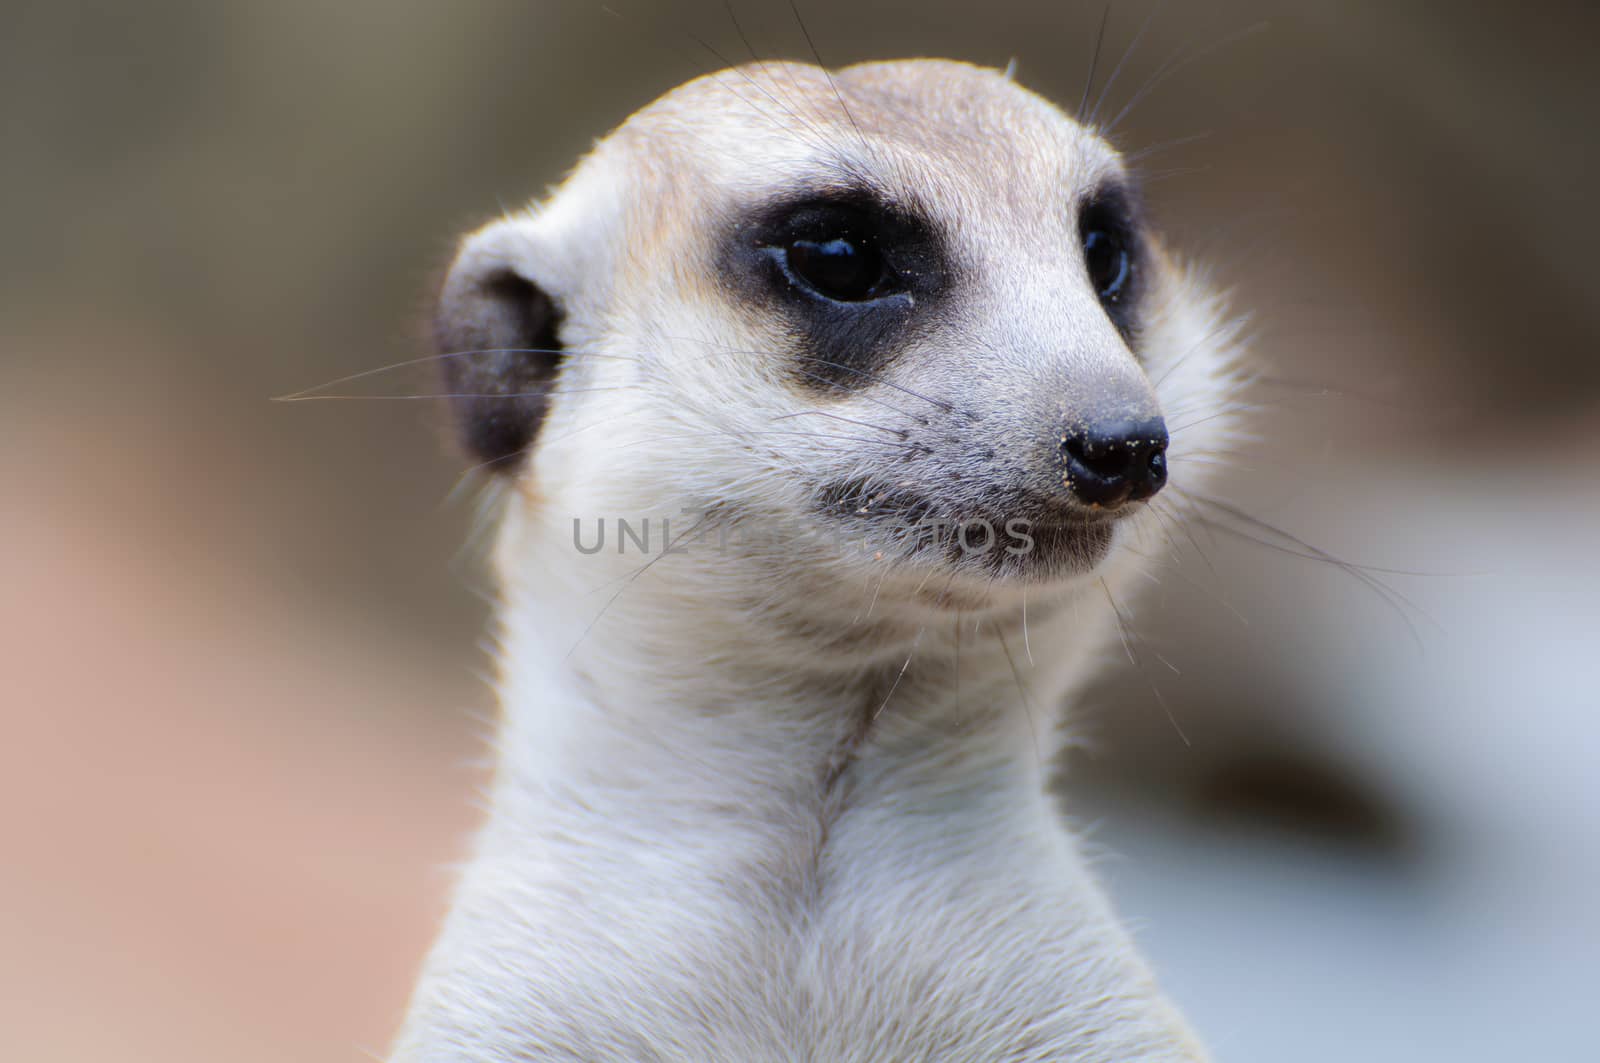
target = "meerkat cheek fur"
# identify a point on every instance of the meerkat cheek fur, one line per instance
(776, 786)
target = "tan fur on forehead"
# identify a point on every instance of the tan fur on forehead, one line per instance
(960, 142)
(754, 124)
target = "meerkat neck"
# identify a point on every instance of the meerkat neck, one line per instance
(711, 825)
(721, 717)
(673, 826)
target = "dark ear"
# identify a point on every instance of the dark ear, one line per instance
(499, 334)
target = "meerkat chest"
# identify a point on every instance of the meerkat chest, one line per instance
(948, 926)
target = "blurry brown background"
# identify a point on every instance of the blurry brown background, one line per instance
(242, 711)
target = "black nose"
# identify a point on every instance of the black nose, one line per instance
(1116, 462)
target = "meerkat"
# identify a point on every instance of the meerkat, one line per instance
(867, 373)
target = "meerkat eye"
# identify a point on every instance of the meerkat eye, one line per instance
(1111, 252)
(837, 252)
(1109, 263)
(842, 268)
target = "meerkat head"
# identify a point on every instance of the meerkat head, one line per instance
(907, 315)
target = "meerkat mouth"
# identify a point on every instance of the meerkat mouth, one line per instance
(1016, 533)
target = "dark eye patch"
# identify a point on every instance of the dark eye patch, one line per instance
(851, 273)
(1113, 254)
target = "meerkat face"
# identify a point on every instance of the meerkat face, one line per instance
(910, 313)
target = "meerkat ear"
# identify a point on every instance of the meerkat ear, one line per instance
(497, 332)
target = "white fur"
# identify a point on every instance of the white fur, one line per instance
(776, 800)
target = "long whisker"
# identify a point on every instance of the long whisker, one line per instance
(1127, 645)
(1152, 177)
(910, 448)
(877, 378)
(832, 84)
(1022, 693)
(1311, 552)
(1133, 158)
(789, 109)
(1178, 570)
(1133, 46)
(870, 398)
(900, 432)
(1027, 646)
(1229, 328)
(1166, 532)
(704, 525)
(1178, 61)
(1094, 60)
(1236, 408)
(899, 675)
(808, 132)
(1364, 574)
(435, 396)
(408, 364)
(940, 404)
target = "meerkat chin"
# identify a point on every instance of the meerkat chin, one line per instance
(828, 410)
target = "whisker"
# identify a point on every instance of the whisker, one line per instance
(1022, 693)
(1220, 597)
(470, 474)
(1175, 64)
(790, 109)
(940, 404)
(1312, 552)
(876, 591)
(1166, 532)
(1221, 463)
(436, 396)
(1151, 177)
(1027, 646)
(1319, 390)
(1228, 327)
(1176, 520)
(667, 550)
(833, 85)
(1229, 411)
(1094, 60)
(1133, 158)
(870, 398)
(1364, 574)
(408, 364)
(1127, 646)
(808, 133)
(900, 675)
(903, 434)
(813, 135)
(1126, 55)
(910, 448)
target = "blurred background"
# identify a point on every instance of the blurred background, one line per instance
(243, 711)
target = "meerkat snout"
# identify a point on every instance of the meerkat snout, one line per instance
(1109, 464)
